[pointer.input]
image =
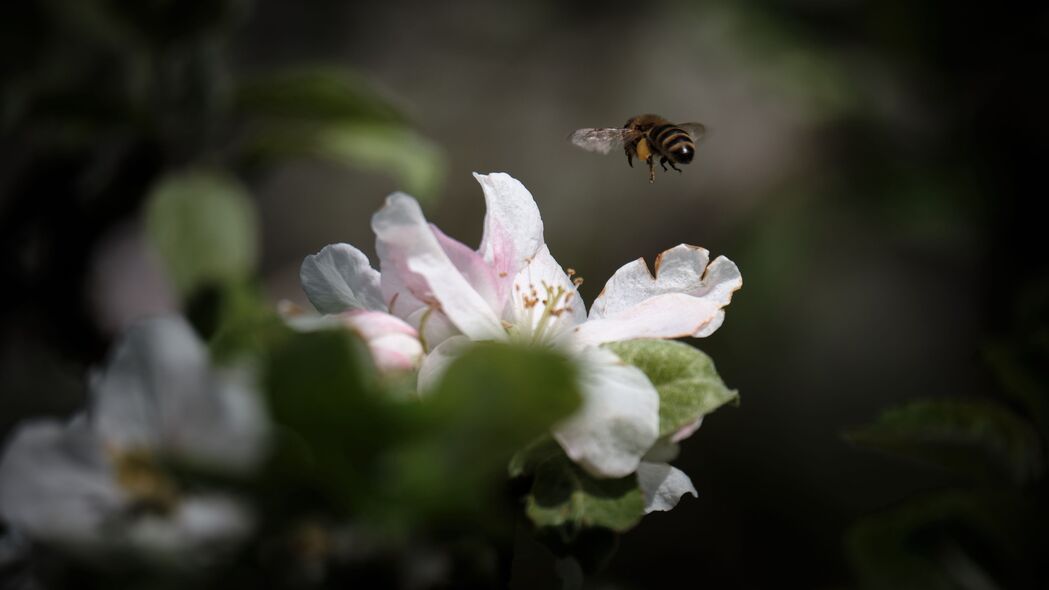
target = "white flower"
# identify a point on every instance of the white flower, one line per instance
(511, 288)
(96, 483)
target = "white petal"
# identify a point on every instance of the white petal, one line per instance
(672, 315)
(434, 327)
(438, 360)
(226, 426)
(408, 248)
(197, 527)
(157, 365)
(474, 269)
(682, 269)
(541, 279)
(159, 392)
(663, 486)
(340, 278)
(56, 483)
(513, 229)
(618, 421)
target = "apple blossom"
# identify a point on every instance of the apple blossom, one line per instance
(96, 484)
(511, 288)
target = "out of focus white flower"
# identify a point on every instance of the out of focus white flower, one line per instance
(511, 288)
(96, 484)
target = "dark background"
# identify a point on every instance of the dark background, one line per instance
(874, 168)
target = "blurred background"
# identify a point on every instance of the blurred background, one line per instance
(872, 167)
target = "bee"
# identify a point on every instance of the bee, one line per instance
(644, 137)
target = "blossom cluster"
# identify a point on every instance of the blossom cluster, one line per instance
(432, 295)
(107, 481)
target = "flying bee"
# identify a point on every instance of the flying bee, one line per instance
(645, 137)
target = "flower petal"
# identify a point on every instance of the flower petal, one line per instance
(56, 483)
(434, 327)
(437, 361)
(682, 269)
(393, 343)
(513, 228)
(474, 269)
(619, 419)
(663, 485)
(340, 278)
(409, 251)
(541, 279)
(673, 315)
(159, 392)
(196, 528)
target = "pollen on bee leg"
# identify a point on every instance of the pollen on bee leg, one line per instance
(644, 152)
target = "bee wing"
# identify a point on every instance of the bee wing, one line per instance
(602, 140)
(696, 130)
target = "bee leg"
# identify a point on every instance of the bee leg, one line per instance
(671, 162)
(651, 170)
(630, 159)
(663, 163)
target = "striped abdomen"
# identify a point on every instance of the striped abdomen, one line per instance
(673, 142)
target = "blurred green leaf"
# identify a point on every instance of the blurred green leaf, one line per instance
(564, 495)
(977, 437)
(492, 400)
(688, 384)
(948, 540)
(246, 324)
(1020, 381)
(333, 418)
(315, 94)
(333, 115)
(415, 161)
(528, 459)
(205, 228)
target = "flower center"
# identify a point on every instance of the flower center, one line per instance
(149, 488)
(553, 301)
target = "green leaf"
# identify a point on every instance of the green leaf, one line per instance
(205, 228)
(333, 115)
(937, 540)
(528, 459)
(491, 401)
(416, 162)
(1020, 380)
(564, 495)
(688, 384)
(315, 93)
(979, 437)
(334, 420)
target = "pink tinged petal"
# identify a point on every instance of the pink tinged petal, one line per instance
(513, 228)
(687, 430)
(407, 247)
(481, 276)
(435, 363)
(340, 278)
(618, 421)
(663, 486)
(673, 315)
(544, 303)
(393, 343)
(376, 324)
(682, 269)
